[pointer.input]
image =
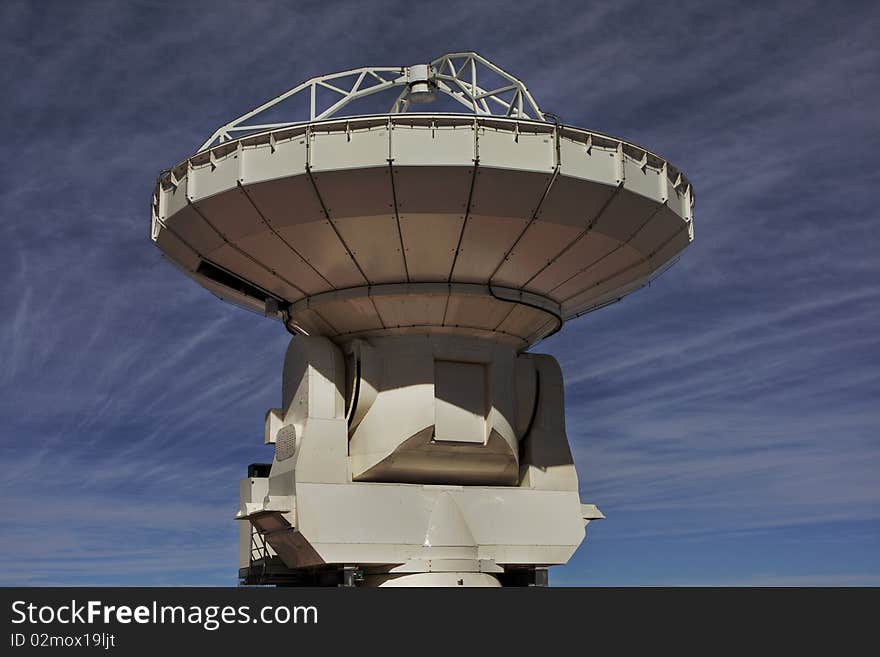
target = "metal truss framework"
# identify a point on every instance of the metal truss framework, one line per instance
(457, 75)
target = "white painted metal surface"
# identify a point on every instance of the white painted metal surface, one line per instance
(383, 493)
(337, 223)
(417, 256)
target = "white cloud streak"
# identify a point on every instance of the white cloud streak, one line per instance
(739, 393)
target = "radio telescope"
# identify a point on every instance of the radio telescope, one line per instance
(415, 256)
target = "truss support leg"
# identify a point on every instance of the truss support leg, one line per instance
(350, 576)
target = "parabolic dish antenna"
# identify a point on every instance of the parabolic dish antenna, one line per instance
(417, 255)
(495, 220)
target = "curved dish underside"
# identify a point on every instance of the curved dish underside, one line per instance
(407, 223)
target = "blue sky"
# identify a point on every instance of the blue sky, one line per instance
(726, 420)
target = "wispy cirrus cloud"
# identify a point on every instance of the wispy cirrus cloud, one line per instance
(732, 404)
